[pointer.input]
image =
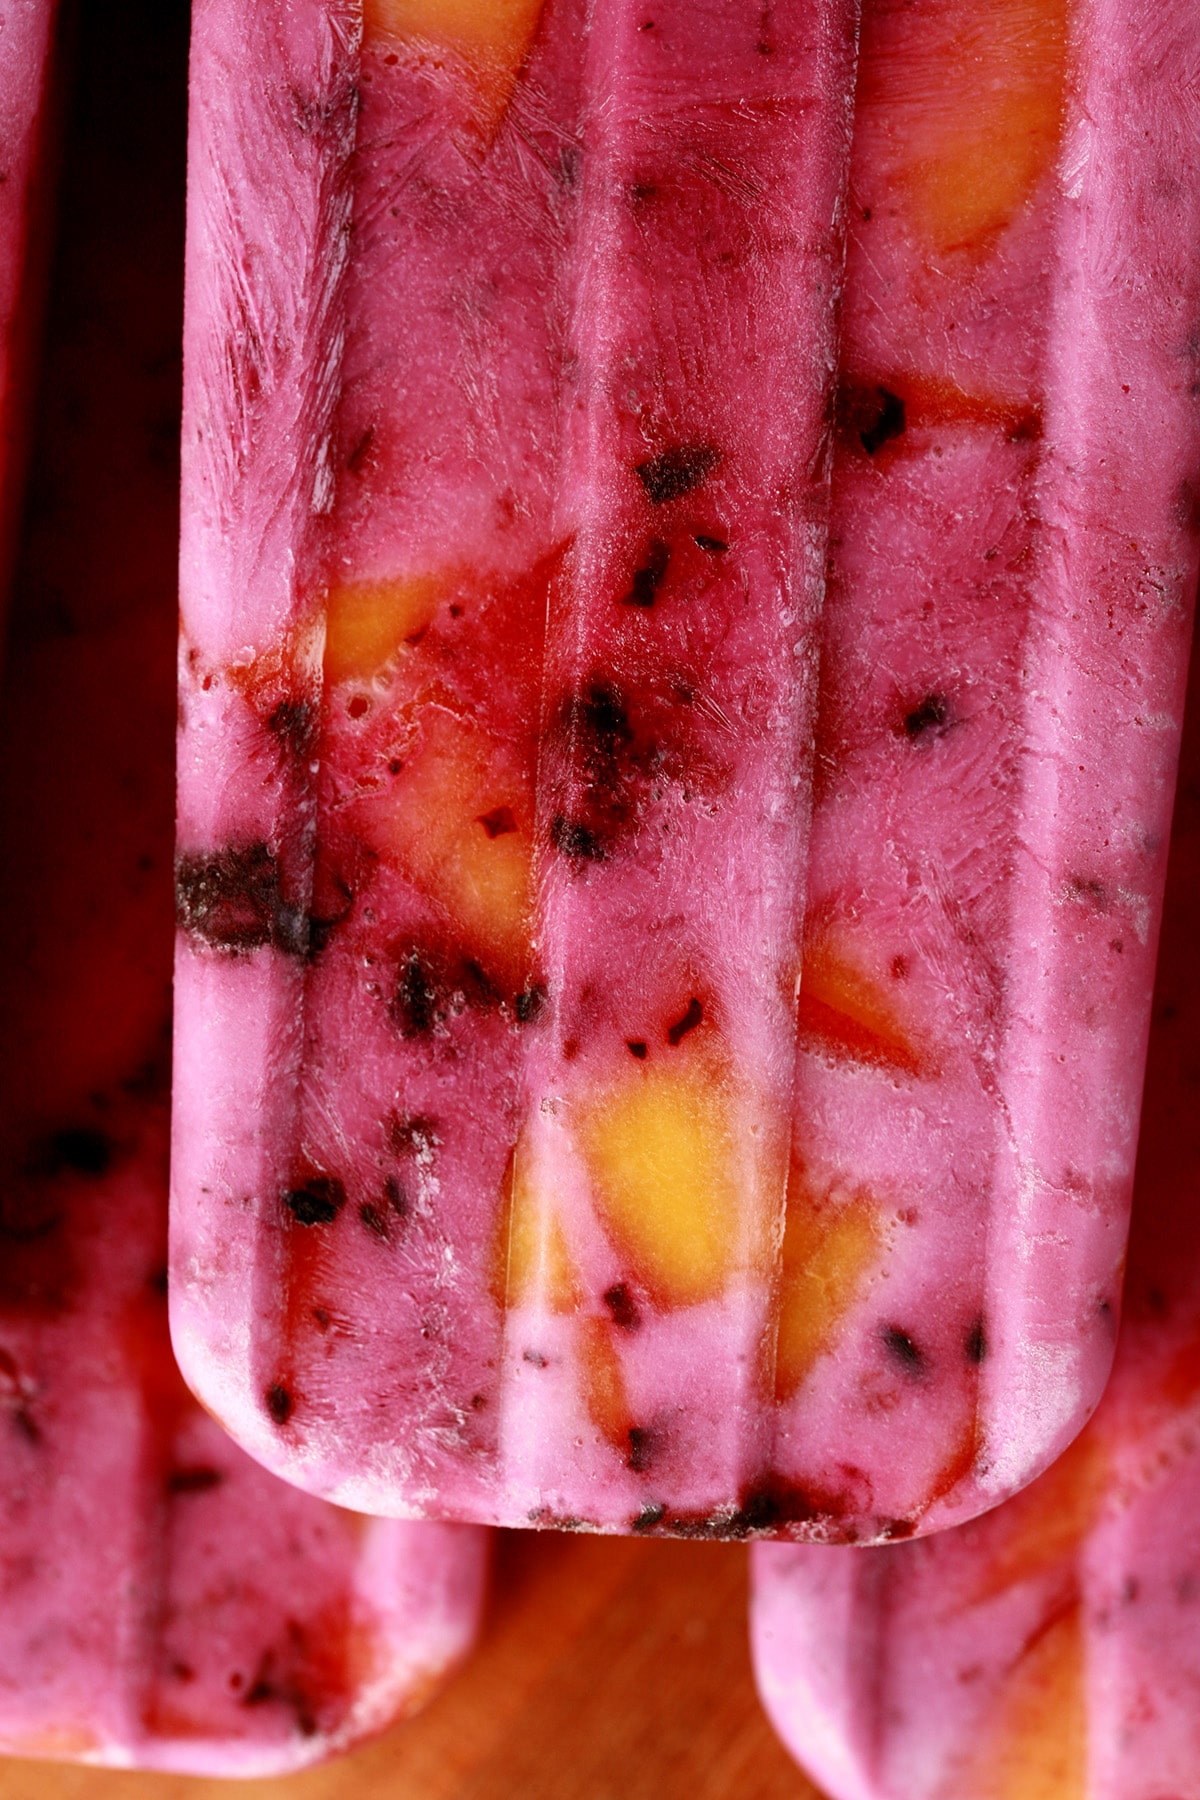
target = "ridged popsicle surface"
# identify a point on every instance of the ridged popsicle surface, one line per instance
(1012, 568)
(164, 1601)
(510, 349)
(1051, 1648)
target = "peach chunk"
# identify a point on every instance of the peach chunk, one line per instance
(604, 1391)
(492, 37)
(849, 1014)
(457, 817)
(661, 1156)
(368, 622)
(532, 1262)
(827, 1250)
(1180, 1381)
(1037, 1748)
(970, 95)
(1049, 1521)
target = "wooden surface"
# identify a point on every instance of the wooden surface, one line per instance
(608, 1669)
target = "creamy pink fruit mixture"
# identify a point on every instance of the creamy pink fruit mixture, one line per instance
(164, 1601)
(1014, 549)
(27, 33)
(508, 339)
(509, 351)
(1051, 1649)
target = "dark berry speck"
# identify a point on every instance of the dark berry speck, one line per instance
(279, 1403)
(902, 1348)
(317, 1202)
(622, 1307)
(677, 471)
(889, 422)
(649, 577)
(691, 1017)
(641, 1449)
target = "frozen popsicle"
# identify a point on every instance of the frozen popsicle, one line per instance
(164, 1601)
(1014, 543)
(1051, 1650)
(27, 132)
(509, 348)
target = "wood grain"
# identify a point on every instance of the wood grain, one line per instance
(608, 1669)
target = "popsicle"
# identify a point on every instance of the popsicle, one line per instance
(509, 347)
(27, 132)
(164, 1601)
(1051, 1648)
(1013, 559)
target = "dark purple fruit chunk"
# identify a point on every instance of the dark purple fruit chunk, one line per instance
(374, 1219)
(676, 472)
(932, 714)
(317, 1202)
(889, 422)
(414, 1004)
(499, 822)
(294, 723)
(691, 1017)
(622, 1307)
(200, 1479)
(234, 900)
(903, 1349)
(528, 1006)
(575, 840)
(649, 577)
(279, 1401)
(641, 1449)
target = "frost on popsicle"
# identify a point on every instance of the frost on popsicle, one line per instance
(1004, 639)
(521, 1092)
(164, 1601)
(1051, 1647)
(719, 1219)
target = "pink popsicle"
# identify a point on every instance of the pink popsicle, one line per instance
(164, 1602)
(1005, 636)
(488, 950)
(27, 76)
(1052, 1648)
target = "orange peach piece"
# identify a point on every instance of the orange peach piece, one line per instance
(532, 1261)
(604, 1390)
(974, 107)
(660, 1154)
(457, 818)
(491, 37)
(367, 623)
(828, 1249)
(848, 1012)
(1037, 1749)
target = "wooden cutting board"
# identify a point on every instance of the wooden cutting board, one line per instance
(608, 1669)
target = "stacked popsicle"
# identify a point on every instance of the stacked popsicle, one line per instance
(164, 1602)
(1006, 631)
(1050, 1648)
